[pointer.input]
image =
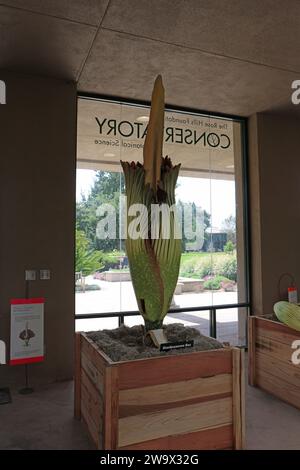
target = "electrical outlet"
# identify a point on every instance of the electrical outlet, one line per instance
(45, 274)
(30, 275)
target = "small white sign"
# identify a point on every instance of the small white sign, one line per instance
(44, 274)
(27, 331)
(30, 275)
(2, 92)
(2, 352)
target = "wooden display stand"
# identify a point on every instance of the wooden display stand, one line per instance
(270, 364)
(187, 401)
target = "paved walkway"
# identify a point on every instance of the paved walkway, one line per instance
(119, 296)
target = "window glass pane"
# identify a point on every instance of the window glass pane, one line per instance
(209, 195)
(231, 326)
(198, 320)
(94, 324)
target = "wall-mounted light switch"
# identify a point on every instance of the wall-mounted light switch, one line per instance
(30, 275)
(45, 274)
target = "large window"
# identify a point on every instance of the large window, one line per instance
(211, 292)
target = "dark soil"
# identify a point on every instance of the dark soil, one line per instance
(125, 343)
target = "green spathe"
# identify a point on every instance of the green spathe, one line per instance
(154, 263)
(288, 313)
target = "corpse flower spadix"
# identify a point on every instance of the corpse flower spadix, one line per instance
(153, 262)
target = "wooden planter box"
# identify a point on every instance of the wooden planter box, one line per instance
(270, 364)
(188, 401)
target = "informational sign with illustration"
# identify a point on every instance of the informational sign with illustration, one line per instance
(110, 132)
(27, 331)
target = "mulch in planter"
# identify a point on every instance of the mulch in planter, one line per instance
(128, 343)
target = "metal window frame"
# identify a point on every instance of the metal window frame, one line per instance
(212, 309)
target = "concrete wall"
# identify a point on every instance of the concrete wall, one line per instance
(37, 204)
(274, 158)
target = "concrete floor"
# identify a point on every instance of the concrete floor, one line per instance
(44, 420)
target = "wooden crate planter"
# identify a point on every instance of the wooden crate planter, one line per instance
(270, 364)
(188, 401)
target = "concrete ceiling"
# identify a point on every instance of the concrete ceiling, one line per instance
(233, 56)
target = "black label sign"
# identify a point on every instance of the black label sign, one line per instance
(176, 345)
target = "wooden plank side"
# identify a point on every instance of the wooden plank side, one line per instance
(77, 377)
(251, 349)
(111, 400)
(91, 409)
(114, 406)
(163, 370)
(271, 346)
(133, 410)
(91, 350)
(281, 337)
(279, 388)
(187, 419)
(288, 373)
(209, 439)
(95, 375)
(158, 397)
(238, 398)
(243, 398)
(93, 400)
(93, 432)
(276, 330)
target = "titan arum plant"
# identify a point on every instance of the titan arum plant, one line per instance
(153, 262)
(288, 313)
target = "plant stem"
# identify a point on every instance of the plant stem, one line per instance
(153, 325)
